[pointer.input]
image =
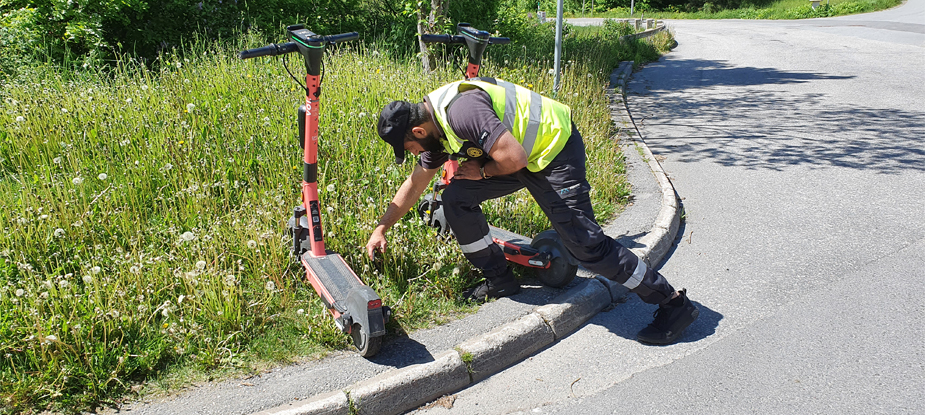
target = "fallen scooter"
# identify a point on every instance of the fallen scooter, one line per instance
(356, 308)
(553, 264)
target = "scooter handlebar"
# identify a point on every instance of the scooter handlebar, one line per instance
(269, 50)
(461, 40)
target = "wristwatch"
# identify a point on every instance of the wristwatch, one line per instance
(482, 172)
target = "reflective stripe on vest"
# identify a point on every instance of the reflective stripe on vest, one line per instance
(526, 127)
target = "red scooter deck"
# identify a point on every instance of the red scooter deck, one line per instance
(334, 275)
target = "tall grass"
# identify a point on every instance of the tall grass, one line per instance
(145, 212)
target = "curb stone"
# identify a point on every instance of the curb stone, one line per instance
(400, 390)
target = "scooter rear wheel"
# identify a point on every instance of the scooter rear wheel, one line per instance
(561, 270)
(367, 346)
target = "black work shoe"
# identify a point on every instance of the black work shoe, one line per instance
(492, 288)
(670, 321)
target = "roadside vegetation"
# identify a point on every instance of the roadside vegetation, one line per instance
(727, 9)
(144, 203)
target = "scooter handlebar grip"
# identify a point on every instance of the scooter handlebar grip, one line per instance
(442, 39)
(269, 50)
(343, 37)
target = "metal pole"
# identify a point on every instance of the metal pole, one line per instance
(632, 5)
(558, 57)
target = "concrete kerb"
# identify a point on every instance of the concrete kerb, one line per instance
(400, 390)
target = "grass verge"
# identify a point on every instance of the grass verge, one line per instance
(776, 10)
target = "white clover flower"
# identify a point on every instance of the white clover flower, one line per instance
(77, 180)
(180, 299)
(190, 107)
(142, 308)
(63, 284)
(201, 264)
(57, 160)
(187, 236)
(362, 114)
(134, 269)
(64, 110)
(252, 244)
(51, 337)
(87, 279)
(43, 217)
(179, 65)
(20, 292)
(168, 166)
(144, 87)
(230, 280)
(300, 311)
(128, 100)
(271, 286)
(59, 233)
(95, 270)
(20, 119)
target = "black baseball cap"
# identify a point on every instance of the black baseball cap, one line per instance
(393, 126)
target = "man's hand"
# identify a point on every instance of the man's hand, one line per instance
(377, 243)
(468, 170)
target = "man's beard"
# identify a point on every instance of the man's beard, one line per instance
(431, 143)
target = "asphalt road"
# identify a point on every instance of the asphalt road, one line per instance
(797, 149)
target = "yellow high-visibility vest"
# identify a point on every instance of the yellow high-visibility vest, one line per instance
(541, 125)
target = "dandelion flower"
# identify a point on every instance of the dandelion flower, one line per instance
(229, 280)
(102, 176)
(95, 270)
(20, 292)
(59, 233)
(180, 299)
(330, 187)
(144, 87)
(77, 180)
(362, 114)
(57, 160)
(63, 284)
(87, 279)
(201, 264)
(300, 311)
(20, 119)
(64, 110)
(187, 236)
(252, 244)
(271, 286)
(134, 269)
(51, 337)
(142, 308)
(190, 107)
(128, 100)
(552, 71)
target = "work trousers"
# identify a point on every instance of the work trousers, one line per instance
(561, 190)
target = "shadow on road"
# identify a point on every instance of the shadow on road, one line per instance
(757, 128)
(625, 320)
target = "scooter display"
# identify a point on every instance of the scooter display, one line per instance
(356, 308)
(553, 264)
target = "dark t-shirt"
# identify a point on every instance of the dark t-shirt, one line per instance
(472, 118)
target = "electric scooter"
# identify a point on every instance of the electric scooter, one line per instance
(356, 308)
(553, 264)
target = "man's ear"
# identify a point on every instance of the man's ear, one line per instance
(419, 132)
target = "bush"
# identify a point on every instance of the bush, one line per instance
(19, 37)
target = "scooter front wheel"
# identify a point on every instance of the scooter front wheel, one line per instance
(366, 345)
